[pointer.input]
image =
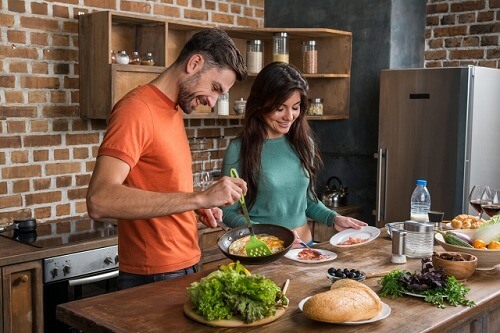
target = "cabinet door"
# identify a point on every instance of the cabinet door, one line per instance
(22, 293)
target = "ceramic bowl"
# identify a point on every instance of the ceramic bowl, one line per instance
(461, 270)
(347, 273)
(486, 259)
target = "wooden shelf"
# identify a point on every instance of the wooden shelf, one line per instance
(102, 84)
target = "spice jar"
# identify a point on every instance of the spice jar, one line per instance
(122, 58)
(136, 58)
(148, 59)
(113, 57)
(254, 56)
(223, 104)
(419, 239)
(315, 107)
(309, 57)
(280, 47)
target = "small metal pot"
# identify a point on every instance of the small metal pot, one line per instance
(285, 234)
(24, 225)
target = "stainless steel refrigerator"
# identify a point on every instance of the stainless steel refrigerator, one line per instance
(438, 124)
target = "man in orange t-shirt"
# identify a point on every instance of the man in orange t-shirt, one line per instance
(143, 173)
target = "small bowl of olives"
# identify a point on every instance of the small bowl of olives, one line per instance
(335, 274)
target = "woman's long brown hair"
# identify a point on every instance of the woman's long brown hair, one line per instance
(275, 84)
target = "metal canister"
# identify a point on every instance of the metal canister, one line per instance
(398, 246)
(419, 239)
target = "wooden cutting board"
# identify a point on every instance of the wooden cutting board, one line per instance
(233, 322)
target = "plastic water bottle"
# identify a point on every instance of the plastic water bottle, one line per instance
(420, 202)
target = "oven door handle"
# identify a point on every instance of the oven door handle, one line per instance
(92, 279)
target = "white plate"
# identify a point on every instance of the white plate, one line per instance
(384, 313)
(416, 295)
(365, 232)
(293, 254)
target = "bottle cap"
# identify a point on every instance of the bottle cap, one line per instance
(422, 182)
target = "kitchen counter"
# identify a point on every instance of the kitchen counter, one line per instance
(158, 307)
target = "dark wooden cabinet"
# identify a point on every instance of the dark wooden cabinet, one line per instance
(22, 298)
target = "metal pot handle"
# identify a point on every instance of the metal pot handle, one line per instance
(330, 180)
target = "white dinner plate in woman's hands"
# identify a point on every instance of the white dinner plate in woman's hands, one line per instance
(355, 237)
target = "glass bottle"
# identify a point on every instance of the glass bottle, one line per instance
(122, 58)
(136, 58)
(113, 57)
(148, 59)
(280, 47)
(309, 57)
(254, 56)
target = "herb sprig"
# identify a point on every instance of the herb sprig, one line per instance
(434, 284)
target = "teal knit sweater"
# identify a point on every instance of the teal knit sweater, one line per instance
(282, 193)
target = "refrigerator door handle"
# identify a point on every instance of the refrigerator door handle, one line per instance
(381, 179)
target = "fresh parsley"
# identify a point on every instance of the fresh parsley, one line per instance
(434, 284)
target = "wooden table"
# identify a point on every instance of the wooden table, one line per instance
(158, 307)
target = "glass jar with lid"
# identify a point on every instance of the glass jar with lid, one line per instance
(122, 58)
(254, 56)
(315, 107)
(280, 47)
(148, 59)
(136, 58)
(309, 57)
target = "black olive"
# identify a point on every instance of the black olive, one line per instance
(331, 271)
(351, 275)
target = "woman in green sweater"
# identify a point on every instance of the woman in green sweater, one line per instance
(277, 156)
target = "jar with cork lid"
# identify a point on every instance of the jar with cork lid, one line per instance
(280, 47)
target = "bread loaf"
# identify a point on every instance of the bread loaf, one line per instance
(347, 300)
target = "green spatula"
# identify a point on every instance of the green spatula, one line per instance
(255, 247)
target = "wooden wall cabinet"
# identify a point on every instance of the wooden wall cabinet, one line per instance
(22, 298)
(102, 83)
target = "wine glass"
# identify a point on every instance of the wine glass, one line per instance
(475, 197)
(204, 180)
(490, 203)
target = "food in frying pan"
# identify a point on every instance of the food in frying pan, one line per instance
(274, 243)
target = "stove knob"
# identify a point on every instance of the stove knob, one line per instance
(108, 261)
(54, 272)
(66, 270)
(116, 260)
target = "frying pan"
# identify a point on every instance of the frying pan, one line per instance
(285, 234)
(24, 225)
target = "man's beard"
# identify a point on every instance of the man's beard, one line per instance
(186, 95)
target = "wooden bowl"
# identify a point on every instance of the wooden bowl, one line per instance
(486, 259)
(461, 270)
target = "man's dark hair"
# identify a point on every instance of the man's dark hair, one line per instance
(218, 50)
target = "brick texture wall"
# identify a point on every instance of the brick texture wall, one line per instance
(461, 33)
(47, 152)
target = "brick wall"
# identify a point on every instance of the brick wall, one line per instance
(461, 33)
(47, 152)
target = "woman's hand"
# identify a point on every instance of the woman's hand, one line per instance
(343, 222)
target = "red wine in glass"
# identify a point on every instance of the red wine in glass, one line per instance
(491, 209)
(476, 204)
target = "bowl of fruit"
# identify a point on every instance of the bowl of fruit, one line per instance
(483, 243)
